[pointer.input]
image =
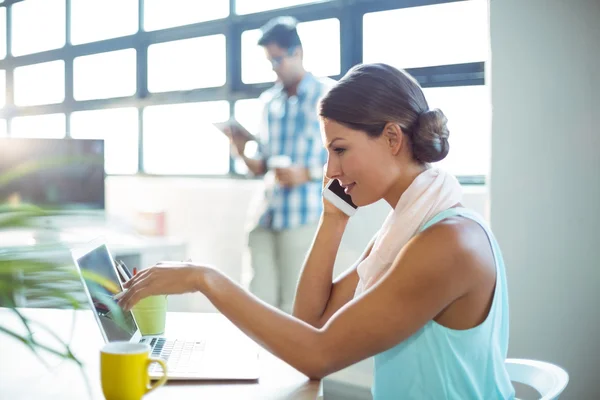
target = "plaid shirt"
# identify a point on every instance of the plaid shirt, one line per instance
(291, 127)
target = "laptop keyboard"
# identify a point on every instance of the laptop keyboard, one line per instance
(182, 357)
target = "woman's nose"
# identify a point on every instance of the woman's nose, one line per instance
(332, 170)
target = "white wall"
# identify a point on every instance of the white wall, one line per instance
(210, 214)
(545, 188)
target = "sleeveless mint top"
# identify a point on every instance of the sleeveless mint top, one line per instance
(440, 363)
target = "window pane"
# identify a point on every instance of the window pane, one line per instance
(89, 19)
(105, 75)
(249, 113)
(468, 109)
(119, 129)
(2, 32)
(255, 66)
(2, 87)
(161, 14)
(38, 25)
(38, 84)
(3, 128)
(441, 34)
(187, 64)
(321, 45)
(39, 126)
(192, 145)
(320, 42)
(253, 6)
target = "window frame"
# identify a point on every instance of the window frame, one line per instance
(349, 12)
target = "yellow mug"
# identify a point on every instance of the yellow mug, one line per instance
(124, 370)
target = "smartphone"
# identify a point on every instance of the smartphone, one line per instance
(335, 194)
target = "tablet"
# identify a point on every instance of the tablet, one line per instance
(235, 127)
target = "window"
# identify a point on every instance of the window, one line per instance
(187, 64)
(2, 88)
(38, 84)
(92, 83)
(320, 42)
(451, 33)
(93, 20)
(468, 109)
(161, 14)
(105, 75)
(181, 139)
(119, 129)
(38, 25)
(2, 32)
(39, 126)
(253, 6)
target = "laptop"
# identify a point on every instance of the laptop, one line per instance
(197, 359)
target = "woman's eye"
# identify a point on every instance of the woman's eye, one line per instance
(339, 150)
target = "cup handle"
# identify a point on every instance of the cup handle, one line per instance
(163, 379)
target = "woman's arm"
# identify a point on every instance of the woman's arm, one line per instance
(419, 285)
(317, 296)
(342, 290)
(314, 286)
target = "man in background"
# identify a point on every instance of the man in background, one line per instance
(291, 158)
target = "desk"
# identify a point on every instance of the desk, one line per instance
(22, 376)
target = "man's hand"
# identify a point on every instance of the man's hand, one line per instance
(237, 139)
(292, 176)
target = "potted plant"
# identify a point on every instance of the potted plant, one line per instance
(25, 270)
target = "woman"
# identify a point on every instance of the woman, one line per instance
(428, 297)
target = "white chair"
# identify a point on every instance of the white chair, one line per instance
(548, 379)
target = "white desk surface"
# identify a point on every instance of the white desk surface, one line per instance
(23, 376)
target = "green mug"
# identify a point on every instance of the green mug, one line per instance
(151, 314)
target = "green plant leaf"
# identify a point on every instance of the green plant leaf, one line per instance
(68, 355)
(19, 275)
(34, 345)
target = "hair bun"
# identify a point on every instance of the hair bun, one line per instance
(430, 136)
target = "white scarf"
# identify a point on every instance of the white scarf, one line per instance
(432, 192)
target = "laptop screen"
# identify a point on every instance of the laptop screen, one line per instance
(100, 262)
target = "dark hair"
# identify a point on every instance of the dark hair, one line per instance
(371, 95)
(281, 31)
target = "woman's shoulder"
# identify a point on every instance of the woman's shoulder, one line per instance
(458, 239)
(445, 261)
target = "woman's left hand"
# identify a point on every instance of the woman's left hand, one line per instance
(163, 278)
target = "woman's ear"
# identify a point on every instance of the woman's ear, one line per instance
(394, 137)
